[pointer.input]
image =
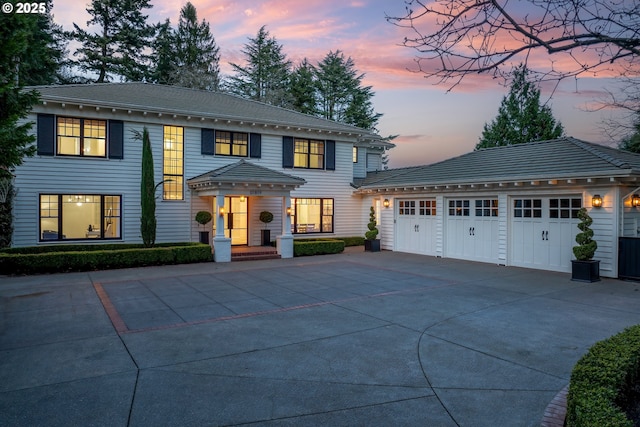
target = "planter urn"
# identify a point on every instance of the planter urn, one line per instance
(372, 245)
(585, 271)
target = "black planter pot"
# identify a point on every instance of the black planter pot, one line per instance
(585, 271)
(372, 245)
(204, 237)
(265, 237)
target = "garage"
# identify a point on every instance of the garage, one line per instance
(472, 226)
(416, 226)
(543, 231)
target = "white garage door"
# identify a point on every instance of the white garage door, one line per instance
(543, 231)
(416, 226)
(472, 229)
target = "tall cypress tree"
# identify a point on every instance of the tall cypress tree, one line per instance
(197, 56)
(265, 78)
(521, 118)
(147, 194)
(118, 46)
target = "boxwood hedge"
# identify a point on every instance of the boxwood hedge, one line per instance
(305, 247)
(603, 380)
(65, 258)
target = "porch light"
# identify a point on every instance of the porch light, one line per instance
(289, 211)
(385, 203)
(596, 201)
(635, 201)
(242, 199)
(221, 211)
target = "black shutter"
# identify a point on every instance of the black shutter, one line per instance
(255, 145)
(330, 155)
(208, 142)
(287, 151)
(116, 139)
(46, 134)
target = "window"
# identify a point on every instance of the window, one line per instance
(487, 207)
(232, 143)
(81, 137)
(308, 154)
(407, 207)
(458, 207)
(79, 216)
(527, 208)
(355, 154)
(428, 207)
(173, 172)
(312, 216)
(564, 208)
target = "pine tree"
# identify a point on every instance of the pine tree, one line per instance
(118, 46)
(632, 142)
(163, 56)
(196, 52)
(341, 95)
(521, 118)
(302, 89)
(266, 75)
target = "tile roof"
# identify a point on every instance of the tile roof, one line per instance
(243, 171)
(198, 103)
(562, 158)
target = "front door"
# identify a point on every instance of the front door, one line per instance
(235, 220)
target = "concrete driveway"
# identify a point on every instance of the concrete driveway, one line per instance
(356, 339)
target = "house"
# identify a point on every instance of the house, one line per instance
(514, 205)
(212, 151)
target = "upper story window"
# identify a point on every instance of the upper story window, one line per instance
(232, 143)
(81, 137)
(173, 170)
(308, 153)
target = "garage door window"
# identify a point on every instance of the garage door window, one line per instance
(428, 207)
(487, 207)
(407, 207)
(458, 207)
(564, 208)
(527, 208)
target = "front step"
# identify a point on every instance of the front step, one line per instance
(258, 254)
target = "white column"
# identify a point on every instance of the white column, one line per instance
(221, 244)
(284, 243)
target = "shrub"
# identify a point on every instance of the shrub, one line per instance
(65, 258)
(602, 380)
(586, 248)
(203, 217)
(372, 231)
(317, 247)
(352, 241)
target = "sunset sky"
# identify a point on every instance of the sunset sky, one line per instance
(432, 124)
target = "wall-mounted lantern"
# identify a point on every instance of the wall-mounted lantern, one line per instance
(596, 201)
(289, 211)
(221, 211)
(635, 201)
(385, 203)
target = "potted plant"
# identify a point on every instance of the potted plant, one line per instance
(371, 244)
(584, 268)
(265, 235)
(203, 218)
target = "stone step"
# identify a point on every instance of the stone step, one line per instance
(254, 256)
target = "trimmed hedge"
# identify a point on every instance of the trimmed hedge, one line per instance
(66, 258)
(352, 241)
(603, 380)
(317, 247)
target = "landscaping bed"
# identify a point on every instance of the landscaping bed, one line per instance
(66, 258)
(604, 389)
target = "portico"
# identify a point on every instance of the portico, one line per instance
(237, 193)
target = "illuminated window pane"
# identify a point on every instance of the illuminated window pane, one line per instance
(173, 163)
(81, 137)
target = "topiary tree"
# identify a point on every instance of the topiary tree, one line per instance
(266, 217)
(372, 233)
(586, 248)
(203, 217)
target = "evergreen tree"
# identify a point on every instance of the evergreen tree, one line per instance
(632, 142)
(521, 118)
(302, 89)
(147, 193)
(118, 46)
(341, 95)
(196, 53)
(163, 56)
(266, 75)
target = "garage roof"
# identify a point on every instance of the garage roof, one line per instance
(564, 158)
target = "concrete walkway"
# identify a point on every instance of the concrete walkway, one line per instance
(356, 339)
